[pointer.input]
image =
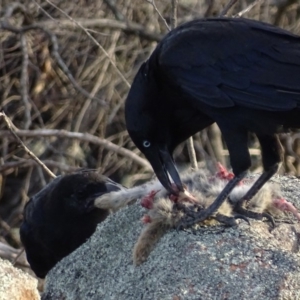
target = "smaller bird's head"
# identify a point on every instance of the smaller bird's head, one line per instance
(147, 122)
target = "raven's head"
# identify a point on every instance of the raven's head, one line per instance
(148, 124)
(160, 158)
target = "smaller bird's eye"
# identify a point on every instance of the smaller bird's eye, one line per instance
(146, 144)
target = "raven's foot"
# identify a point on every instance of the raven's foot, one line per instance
(230, 221)
(188, 209)
(197, 215)
(251, 214)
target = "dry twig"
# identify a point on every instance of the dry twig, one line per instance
(128, 26)
(85, 137)
(22, 163)
(174, 14)
(247, 9)
(7, 26)
(95, 41)
(227, 8)
(24, 81)
(152, 2)
(30, 153)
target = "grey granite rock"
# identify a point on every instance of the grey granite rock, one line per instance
(244, 262)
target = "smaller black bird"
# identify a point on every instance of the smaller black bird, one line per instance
(62, 216)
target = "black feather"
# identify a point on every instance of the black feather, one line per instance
(61, 217)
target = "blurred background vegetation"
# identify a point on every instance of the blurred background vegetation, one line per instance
(60, 61)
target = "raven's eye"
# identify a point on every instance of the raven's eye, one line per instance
(146, 144)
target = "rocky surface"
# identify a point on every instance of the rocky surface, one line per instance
(244, 262)
(15, 284)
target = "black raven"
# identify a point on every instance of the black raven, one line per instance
(240, 73)
(61, 217)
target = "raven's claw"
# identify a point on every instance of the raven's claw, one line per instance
(254, 215)
(194, 216)
(231, 221)
(239, 216)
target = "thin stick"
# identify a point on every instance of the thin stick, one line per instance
(247, 9)
(25, 163)
(113, 7)
(95, 41)
(85, 137)
(10, 126)
(192, 153)
(24, 81)
(5, 24)
(174, 14)
(227, 7)
(128, 27)
(17, 257)
(152, 2)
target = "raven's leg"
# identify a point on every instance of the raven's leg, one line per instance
(271, 158)
(236, 140)
(239, 207)
(199, 216)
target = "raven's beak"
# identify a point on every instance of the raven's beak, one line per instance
(163, 166)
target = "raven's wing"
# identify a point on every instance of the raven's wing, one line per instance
(227, 62)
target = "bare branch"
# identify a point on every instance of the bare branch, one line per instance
(14, 7)
(95, 41)
(215, 138)
(25, 163)
(128, 26)
(12, 254)
(227, 8)
(209, 8)
(174, 14)
(85, 137)
(247, 9)
(24, 81)
(282, 6)
(31, 154)
(54, 51)
(152, 2)
(113, 7)
(192, 153)
(15, 261)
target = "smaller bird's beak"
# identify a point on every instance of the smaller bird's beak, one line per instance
(163, 166)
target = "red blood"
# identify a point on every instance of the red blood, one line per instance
(146, 219)
(224, 174)
(284, 205)
(174, 198)
(147, 201)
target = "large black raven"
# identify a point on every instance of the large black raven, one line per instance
(62, 216)
(242, 74)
